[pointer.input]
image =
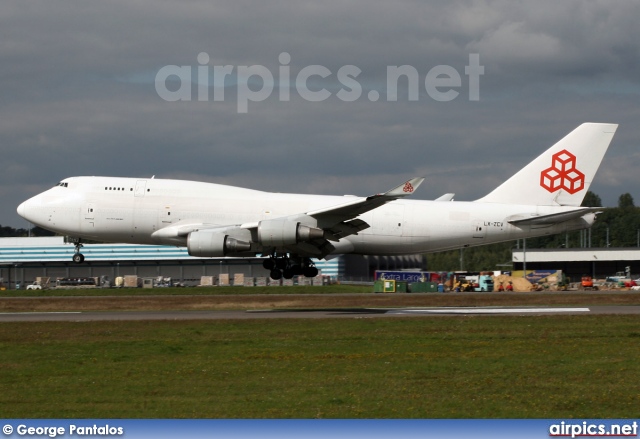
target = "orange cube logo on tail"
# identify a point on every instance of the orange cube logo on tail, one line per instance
(562, 174)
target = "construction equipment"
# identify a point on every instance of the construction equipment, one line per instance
(587, 283)
(563, 284)
(461, 283)
(537, 287)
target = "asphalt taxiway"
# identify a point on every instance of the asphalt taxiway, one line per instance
(87, 316)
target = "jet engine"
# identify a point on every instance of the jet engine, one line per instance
(281, 232)
(216, 243)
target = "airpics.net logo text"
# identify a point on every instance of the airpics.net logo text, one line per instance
(256, 83)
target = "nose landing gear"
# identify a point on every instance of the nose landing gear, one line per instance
(78, 257)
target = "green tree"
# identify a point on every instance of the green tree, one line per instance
(591, 200)
(625, 201)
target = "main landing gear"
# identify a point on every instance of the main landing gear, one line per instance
(78, 257)
(288, 266)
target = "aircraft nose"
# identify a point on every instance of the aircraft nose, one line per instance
(22, 210)
(26, 210)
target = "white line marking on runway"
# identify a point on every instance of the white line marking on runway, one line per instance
(485, 310)
(38, 312)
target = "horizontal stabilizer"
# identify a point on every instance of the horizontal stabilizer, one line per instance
(445, 197)
(551, 219)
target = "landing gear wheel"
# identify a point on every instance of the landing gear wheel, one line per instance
(276, 274)
(269, 264)
(287, 273)
(310, 271)
(296, 269)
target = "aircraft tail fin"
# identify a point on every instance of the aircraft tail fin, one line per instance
(562, 174)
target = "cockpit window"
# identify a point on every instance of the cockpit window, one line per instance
(63, 184)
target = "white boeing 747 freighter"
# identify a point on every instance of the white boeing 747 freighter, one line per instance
(214, 220)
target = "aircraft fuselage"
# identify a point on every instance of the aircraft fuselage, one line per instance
(131, 210)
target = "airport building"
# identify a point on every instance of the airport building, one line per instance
(576, 262)
(22, 260)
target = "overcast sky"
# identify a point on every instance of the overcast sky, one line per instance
(79, 96)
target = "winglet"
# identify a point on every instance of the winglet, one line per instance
(405, 189)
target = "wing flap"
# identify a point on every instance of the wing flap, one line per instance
(346, 228)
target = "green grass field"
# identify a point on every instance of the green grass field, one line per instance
(436, 367)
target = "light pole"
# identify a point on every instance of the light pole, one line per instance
(524, 257)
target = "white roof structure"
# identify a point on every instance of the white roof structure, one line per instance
(54, 249)
(577, 255)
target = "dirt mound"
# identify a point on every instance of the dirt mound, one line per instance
(519, 283)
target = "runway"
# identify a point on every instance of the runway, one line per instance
(89, 316)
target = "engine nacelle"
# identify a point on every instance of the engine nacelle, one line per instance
(211, 244)
(281, 232)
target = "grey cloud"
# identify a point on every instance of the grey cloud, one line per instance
(78, 95)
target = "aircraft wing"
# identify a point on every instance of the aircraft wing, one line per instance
(340, 221)
(322, 225)
(361, 205)
(551, 219)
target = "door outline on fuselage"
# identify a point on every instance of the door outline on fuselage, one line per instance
(89, 215)
(141, 186)
(479, 230)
